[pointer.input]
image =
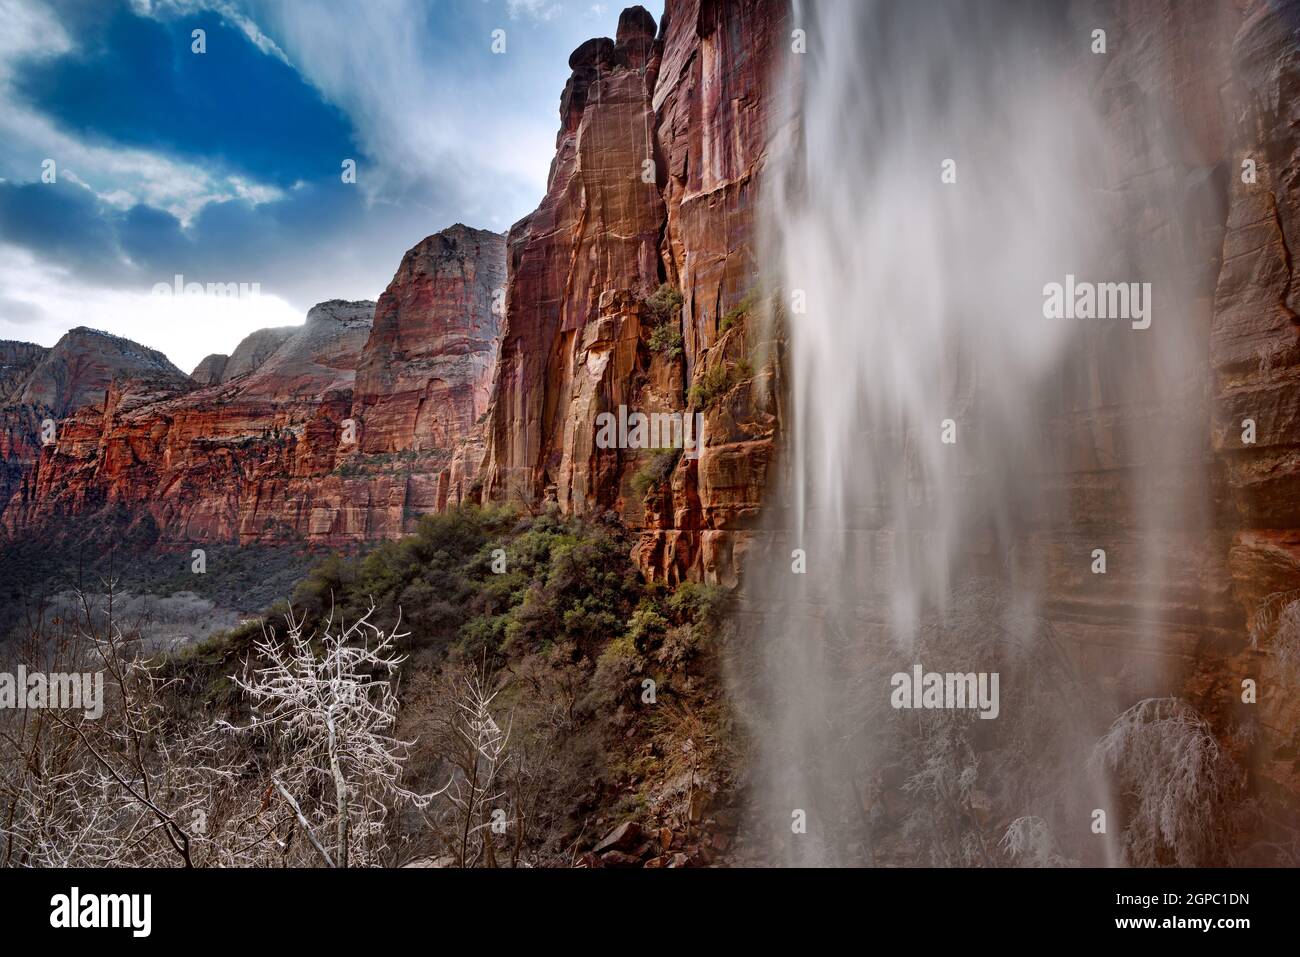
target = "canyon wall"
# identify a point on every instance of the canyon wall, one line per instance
(423, 381)
(661, 144)
(1178, 449)
(40, 386)
(664, 133)
(1254, 352)
(482, 369)
(270, 445)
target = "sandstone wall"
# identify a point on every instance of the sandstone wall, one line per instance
(655, 181)
(277, 448)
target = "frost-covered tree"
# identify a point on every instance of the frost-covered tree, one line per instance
(1174, 779)
(124, 788)
(476, 790)
(325, 705)
(1028, 842)
(1285, 645)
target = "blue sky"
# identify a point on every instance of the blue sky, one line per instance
(225, 166)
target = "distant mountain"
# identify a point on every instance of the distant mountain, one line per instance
(81, 366)
(268, 444)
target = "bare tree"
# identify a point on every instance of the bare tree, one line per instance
(479, 761)
(111, 789)
(1175, 780)
(326, 716)
(1028, 841)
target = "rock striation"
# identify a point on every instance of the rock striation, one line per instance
(270, 445)
(39, 387)
(253, 350)
(481, 371)
(210, 368)
(424, 380)
(662, 138)
(82, 365)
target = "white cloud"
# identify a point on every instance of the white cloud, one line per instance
(252, 31)
(186, 328)
(428, 108)
(113, 173)
(29, 31)
(118, 199)
(180, 187)
(536, 9)
(168, 9)
(255, 193)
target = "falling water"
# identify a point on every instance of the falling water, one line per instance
(948, 162)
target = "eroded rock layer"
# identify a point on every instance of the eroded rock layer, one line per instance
(485, 366)
(270, 445)
(654, 183)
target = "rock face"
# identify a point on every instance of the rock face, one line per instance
(274, 447)
(19, 424)
(1254, 351)
(1255, 334)
(320, 357)
(17, 360)
(654, 181)
(216, 463)
(717, 118)
(1202, 517)
(40, 386)
(423, 382)
(254, 349)
(83, 364)
(209, 369)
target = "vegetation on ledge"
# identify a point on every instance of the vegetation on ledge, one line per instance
(662, 311)
(608, 685)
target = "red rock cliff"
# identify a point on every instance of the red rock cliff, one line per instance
(423, 381)
(40, 386)
(662, 138)
(276, 448)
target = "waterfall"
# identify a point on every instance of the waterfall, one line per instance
(946, 164)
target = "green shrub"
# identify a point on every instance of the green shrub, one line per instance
(647, 625)
(712, 385)
(733, 316)
(569, 583)
(662, 311)
(655, 471)
(717, 381)
(618, 664)
(701, 605)
(662, 306)
(666, 339)
(564, 579)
